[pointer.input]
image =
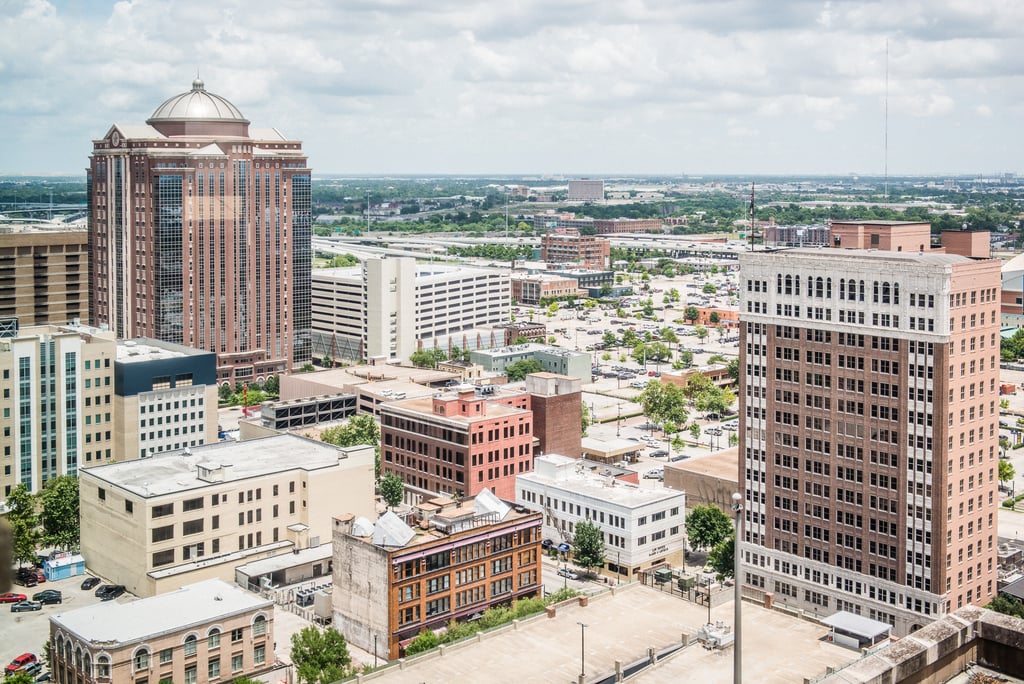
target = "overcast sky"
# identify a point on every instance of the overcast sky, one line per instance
(536, 86)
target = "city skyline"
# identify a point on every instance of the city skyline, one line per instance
(667, 88)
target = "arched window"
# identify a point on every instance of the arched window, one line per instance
(828, 288)
(68, 656)
(259, 625)
(87, 664)
(842, 288)
(886, 293)
(895, 293)
(819, 287)
(778, 283)
(862, 290)
(102, 667)
(140, 659)
(213, 640)
(789, 284)
(190, 645)
(78, 658)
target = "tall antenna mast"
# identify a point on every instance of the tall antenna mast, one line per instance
(885, 134)
(751, 216)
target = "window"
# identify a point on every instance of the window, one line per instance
(236, 635)
(101, 493)
(190, 645)
(259, 655)
(129, 507)
(236, 663)
(192, 504)
(166, 656)
(259, 626)
(164, 533)
(163, 558)
(192, 527)
(190, 674)
(141, 660)
(213, 668)
(161, 511)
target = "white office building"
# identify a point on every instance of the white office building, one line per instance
(389, 306)
(642, 526)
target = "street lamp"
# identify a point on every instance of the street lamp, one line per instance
(583, 650)
(565, 571)
(737, 656)
(618, 421)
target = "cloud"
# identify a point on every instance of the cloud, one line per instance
(530, 86)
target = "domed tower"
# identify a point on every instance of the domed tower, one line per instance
(200, 235)
(199, 112)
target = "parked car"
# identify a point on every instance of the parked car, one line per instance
(90, 582)
(566, 572)
(109, 592)
(659, 452)
(45, 677)
(24, 662)
(11, 597)
(48, 596)
(656, 474)
(25, 606)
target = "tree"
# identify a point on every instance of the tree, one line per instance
(701, 332)
(586, 419)
(272, 386)
(392, 489)
(60, 520)
(714, 317)
(422, 358)
(663, 403)
(1003, 603)
(424, 641)
(609, 339)
(691, 314)
(320, 657)
(734, 369)
(721, 557)
(1006, 471)
(709, 288)
(695, 432)
(520, 369)
(359, 430)
(24, 522)
(224, 392)
(19, 677)
(686, 358)
(707, 526)
(588, 545)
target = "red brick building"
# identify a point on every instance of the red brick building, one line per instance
(563, 246)
(458, 443)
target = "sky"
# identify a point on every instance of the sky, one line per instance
(539, 87)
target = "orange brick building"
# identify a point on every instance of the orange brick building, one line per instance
(447, 561)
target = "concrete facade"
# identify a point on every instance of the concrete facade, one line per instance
(868, 432)
(205, 632)
(552, 359)
(391, 305)
(641, 527)
(178, 517)
(58, 412)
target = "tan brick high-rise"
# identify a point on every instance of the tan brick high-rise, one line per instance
(868, 430)
(200, 234)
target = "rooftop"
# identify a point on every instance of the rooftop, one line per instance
(197, 104)
(572, 475)
(723, 464)
(177, 471)
(144, 349)
(193, 604)
(844, 255)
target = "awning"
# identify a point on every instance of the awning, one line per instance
(857, 625)
(563, 547)
(547, 543)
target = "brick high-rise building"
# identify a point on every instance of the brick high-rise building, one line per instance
(200, 234)
(557, 405)
(44, 278)
(868, 433)
(565, 246)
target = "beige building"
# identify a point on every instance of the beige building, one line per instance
(708, 480)
(44, 276)
(211, 631)
(158, 523)
(57, 413)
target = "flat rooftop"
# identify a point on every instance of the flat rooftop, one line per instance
(844, 255)
(143, 349)
(193, 604)
(621, 627)
(177, 471)
(583, 482)
(724, 464)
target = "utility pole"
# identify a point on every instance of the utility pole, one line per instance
(737, 654)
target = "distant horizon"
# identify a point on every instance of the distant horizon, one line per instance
(964, 175)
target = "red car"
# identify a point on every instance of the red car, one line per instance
(11, 597)
(25, 662)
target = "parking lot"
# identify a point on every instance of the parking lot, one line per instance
(27, 632)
